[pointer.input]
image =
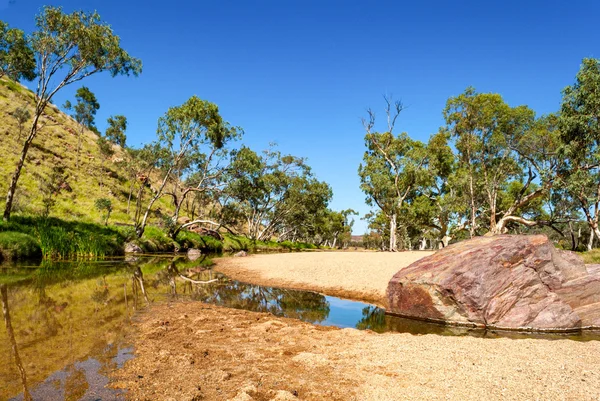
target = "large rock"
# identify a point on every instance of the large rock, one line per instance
(504, 281)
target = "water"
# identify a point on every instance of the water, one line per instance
(64, 325)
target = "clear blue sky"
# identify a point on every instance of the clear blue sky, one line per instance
(302, 73)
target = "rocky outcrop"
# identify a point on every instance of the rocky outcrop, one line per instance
(504, 281)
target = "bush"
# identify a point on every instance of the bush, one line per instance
(18, 246)
(188, 239)
(156, 240)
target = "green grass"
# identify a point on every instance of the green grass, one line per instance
(18, 246)
(62, 239)
(591, 257)
(236, 243)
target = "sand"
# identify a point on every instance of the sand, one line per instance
(353, 275)
(194, 351)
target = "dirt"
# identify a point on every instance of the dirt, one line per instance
(193, 351)
(353, 275)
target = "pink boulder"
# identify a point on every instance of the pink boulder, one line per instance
(505, 281)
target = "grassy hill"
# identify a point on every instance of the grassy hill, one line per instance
(53, 152)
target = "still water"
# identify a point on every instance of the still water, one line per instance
(64, 324)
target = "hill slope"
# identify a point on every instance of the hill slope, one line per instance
(52, 158)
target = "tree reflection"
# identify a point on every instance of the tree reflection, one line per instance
(13, 342)
(374, 318)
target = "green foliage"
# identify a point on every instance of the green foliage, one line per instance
(115, 132)
(104, 205)
(392, 168)
(105, 147)
(191, 143)
(84, 111)
(18, 246)
(50, 187)
(157, 240)
(188, 239)
(580, 137)
(273, 193)
(16, 57)
(21, 115)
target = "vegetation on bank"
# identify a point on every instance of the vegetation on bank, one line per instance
(29, 238)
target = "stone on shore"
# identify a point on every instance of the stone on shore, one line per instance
(194, 254)
(504, 281)
(131, 247)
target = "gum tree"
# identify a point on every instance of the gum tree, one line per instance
(579, 126)
(115, 132)
(190, 154)
(497, 145)
(16, 57)
(68, 48)
(272, 193)
(84, 112)
(392, 168)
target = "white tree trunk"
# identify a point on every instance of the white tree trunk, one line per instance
(393, 234)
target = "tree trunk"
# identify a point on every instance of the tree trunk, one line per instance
(334, 242)
(590, 244)
(393, 234)
(129, 197)
(473, 210)
(10, 196)
(423, 244)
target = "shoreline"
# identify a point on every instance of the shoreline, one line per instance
(356, 276)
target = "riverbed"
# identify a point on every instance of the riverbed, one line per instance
(159, 332)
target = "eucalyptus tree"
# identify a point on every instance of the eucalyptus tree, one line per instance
(498, 144)
(336, 227)
(579, 127)
(393, 168)
(299, 214)
(84, 112)
(16, 56)
(272, 193)
(435, 206)
(115, 132)
(68, 48)
(192, 155)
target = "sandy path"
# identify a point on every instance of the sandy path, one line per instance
(193, 351)
(355, 275)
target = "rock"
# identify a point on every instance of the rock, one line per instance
(240, 254)
(193, 254)
(131, 247)
(504, 281)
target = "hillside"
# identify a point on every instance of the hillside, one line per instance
(52, 157)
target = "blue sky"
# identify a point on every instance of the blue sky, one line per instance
(302, 73)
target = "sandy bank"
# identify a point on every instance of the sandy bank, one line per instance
(193, 351)
(355, 275)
